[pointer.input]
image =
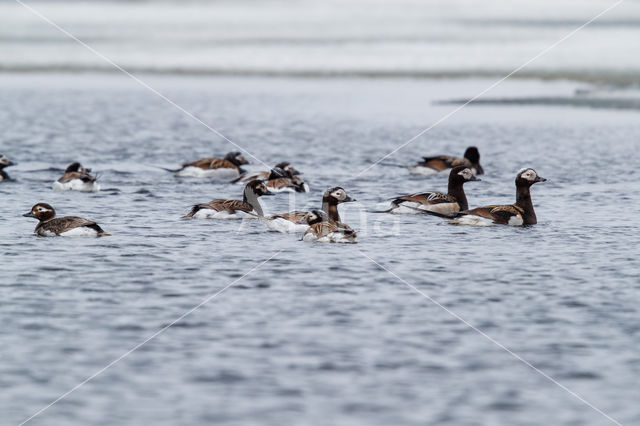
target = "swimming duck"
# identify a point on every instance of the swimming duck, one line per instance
(221, 168)
(284, 165)
(450, 203)
(432, 165)
(4, 162)
(295, 221)
(518, 214)
(77, 178)
(249, 207)
(321, 229)
(69, 226)
(281, 181)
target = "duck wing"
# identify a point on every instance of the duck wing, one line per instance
(443, 162)
(501, 214)
(322, 229)
(211, 163)
(297, 216)
(62, 224)
(426, 198)
(229, 206)
(248, 177)
(69, 176)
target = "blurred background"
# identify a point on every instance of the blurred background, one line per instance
(425, 38)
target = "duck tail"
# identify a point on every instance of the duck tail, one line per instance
(239, 178)
(168, 170)
(193, 211)
(389, 210)
(104, 234)
(404, 166)
(431, 213)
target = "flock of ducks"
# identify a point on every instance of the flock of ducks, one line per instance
(323, 224)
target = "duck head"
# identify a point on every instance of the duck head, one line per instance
(316, 216)
(41, 211)
(462, 174)
(527, 177)
(337, 195)
(236, 158)
(5, 162)
(473, 155)
(258, 188)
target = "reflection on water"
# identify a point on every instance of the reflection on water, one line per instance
(319, 334)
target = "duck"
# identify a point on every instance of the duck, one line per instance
(220, 168)
(77, 178)
(295, 221)
(5, 162)
(321, 229)
(281, 181)
(249, 207)
(521, 213)
(70, 226)
(450, 203)
(436, 164)
(284, 165)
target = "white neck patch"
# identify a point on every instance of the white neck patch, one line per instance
(466, 173)
(529, 174)
(339, 194)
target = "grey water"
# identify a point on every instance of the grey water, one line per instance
(317, 333)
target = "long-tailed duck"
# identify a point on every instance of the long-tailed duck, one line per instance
(281, 181)
(448, 204)
(518, 214)
(296, 221)
(4, 162)
(284, 165)
(322, 230)
(69, 226)
(220, 168)
(77, 178)
(249, 207)
(432, 165)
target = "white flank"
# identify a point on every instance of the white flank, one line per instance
(224, 173)
(334, 237)
(409, 207)
(214, 214)
(76, 185)
(285, 226)
(471, 220)
(420, 170)
(81, 231)
(515, 221)
(443, 208)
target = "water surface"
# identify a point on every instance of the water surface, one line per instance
(319, 334)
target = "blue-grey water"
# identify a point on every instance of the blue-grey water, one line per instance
(319, 334)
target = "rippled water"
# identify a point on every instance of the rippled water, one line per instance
(319, 334)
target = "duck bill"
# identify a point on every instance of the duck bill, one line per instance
(29, 214)
(268, 193)
(539, 179)
(475, 179)
(349, 200)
